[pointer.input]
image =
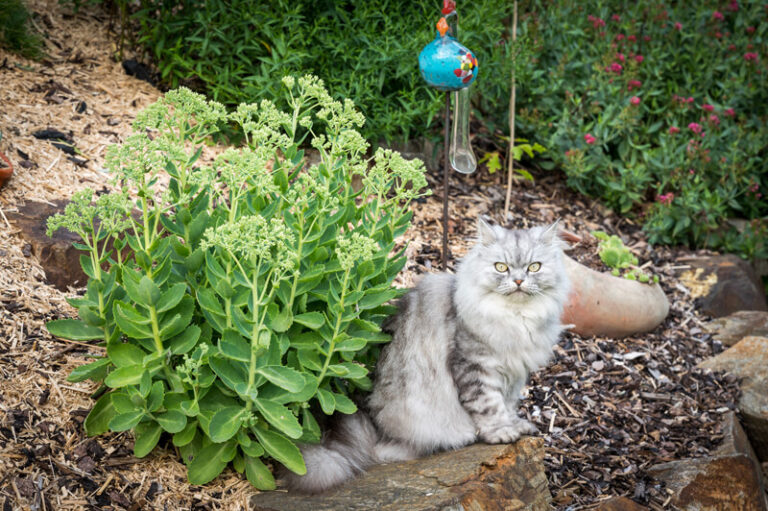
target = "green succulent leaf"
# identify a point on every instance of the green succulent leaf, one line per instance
(209, 462)
(74, 329)
(172, 421)
(282, 449)
(147, 434)
(226, 423)
(280, 417)
(97, 421)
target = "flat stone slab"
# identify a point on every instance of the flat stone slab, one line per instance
(477, 478)
(731, 329)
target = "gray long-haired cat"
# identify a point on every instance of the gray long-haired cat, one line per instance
(462, 348)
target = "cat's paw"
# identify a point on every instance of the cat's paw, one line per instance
(508, 433)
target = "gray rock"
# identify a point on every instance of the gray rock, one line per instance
(478, 478)
(723, 285)
(731, 329)
(748, 359)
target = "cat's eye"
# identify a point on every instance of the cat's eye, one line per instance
(534, 267)
(500, 267)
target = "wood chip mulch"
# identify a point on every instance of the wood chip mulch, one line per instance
(608, 409)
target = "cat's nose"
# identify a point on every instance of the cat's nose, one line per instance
(518, 281)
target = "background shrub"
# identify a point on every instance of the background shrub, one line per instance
(16, 33)
(237, 50)
(659, 109)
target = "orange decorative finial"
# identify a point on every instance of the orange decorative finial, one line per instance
(442, 27)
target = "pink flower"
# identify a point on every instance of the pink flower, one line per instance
(691, 171)
(729, 112)
(634, 100)
(718, 35)
(695, 127)
(596, 22)
(616, 68)
(589, 139)
(616, 18)
(714, 119)
(750, 56)
(717, 15)
(690, 99)
(639, 58)
(708, 107)
(750, 30)
(733, 6)
(620, 57)
(673, 130)
(631, 38)
(732, 47)
(634, 84)
(678, 26)
(619, 37)
(666, 198)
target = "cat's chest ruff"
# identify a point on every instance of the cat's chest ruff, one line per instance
(514, 332)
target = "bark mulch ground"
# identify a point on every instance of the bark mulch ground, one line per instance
(607, 408)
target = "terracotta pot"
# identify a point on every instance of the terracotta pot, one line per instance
(6, 169)
(604, 305)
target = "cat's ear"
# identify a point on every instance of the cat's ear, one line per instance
(550, 234)
(485, 233)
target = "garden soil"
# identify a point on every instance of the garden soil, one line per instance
(607, 409)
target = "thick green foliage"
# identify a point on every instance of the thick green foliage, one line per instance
(245, 290)
(658, 109)
(236, 50)
(16, 34)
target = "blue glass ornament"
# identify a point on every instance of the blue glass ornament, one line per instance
(447, 64)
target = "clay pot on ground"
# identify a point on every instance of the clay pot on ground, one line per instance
(603, 305)
(6, 169)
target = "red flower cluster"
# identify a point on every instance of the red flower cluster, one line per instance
(714, 119)
(634, 100)
(708, 107)
(615, 68)
(729, 112)
(589, 139)
(639, 58)
(717, 15)
(673, 130)
(678, 26)
(750, 56)
(596, 22)
(695, 127)
(634, 84)
(666, 198)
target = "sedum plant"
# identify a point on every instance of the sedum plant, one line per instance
(618, 257)
(240, 294)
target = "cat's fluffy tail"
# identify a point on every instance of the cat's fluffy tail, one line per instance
(347, 449)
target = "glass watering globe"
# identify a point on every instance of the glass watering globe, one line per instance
(448, 65)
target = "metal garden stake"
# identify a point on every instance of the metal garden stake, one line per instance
(449, 66)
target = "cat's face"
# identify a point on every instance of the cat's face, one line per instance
(519, 264)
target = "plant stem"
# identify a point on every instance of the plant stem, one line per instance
(335, 329)
(511, 155)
